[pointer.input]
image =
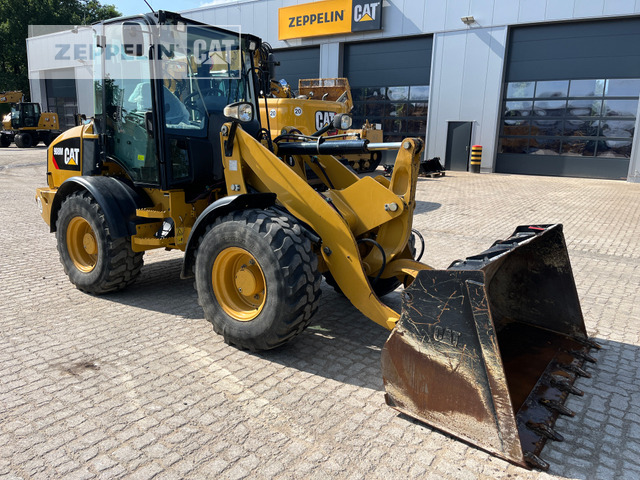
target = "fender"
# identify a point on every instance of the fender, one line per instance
(117, 200)
(217, 209)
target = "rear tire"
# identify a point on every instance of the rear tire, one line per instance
(5, 141)
(95, 262)
(23, 140)
(257, 279)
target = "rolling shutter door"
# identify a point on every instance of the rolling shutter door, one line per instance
(390, 84)
(297, 63)
(571, 99)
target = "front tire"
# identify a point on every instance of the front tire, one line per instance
(257, 279)
(48, 137)
(95, 262)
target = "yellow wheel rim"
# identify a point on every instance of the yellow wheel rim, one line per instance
(238, 284)
(82, 244)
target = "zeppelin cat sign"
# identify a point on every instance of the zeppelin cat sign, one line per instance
(329, 17)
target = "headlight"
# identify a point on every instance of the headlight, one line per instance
(342, 121)
(241, 111)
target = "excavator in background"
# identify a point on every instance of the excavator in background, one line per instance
(317, 102)
(487, 350)
(24, 123)
(7, 98)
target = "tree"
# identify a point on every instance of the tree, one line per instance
(16, 17)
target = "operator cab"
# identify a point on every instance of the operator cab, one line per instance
(24, 115)
(160, 98)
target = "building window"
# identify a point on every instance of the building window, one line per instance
(570, 117)
(402, 111)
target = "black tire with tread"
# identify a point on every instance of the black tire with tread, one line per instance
(47, 138)
(290, 270)
(382, 287)
(24, 140)
(117, 265)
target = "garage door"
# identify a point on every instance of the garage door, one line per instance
(571, 99)
(397, 101)
(297, 63)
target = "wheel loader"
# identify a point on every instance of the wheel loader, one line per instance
(487, 350)
(312, 113)
(313, 109)
(24, 123)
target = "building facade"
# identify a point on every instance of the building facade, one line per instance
(546, 87)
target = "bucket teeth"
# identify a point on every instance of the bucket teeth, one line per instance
(588, 342)
(535, 461)
(584, 356)
(566, 387)
(545, 430)
(577, 370)
(555, 406)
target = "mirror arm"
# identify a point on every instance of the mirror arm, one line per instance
(323, 130)
(148, 123)
(228, 143)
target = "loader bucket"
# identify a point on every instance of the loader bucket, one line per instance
(489, 349)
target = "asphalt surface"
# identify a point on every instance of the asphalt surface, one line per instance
(136, 384)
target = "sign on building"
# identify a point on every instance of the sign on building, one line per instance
(329, 17)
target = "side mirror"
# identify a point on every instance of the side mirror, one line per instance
(241, 111)
(132, 40)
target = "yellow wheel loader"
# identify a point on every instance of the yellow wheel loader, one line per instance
(315, 106)
(24, 123)
(487, 350)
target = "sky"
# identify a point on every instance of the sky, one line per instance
(131, 7)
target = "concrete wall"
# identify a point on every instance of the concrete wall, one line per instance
(331, 55)
(411, 17)
(466, 80)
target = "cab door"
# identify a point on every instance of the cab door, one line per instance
(126, 89)
(30, 114)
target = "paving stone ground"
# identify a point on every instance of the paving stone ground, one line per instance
(136, 384)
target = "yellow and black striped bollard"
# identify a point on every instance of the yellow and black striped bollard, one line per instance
(476, 158)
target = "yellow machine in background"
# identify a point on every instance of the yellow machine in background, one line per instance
(317, 102)
(24, 123)
(14, 96)
(316, 105)
(487, 350)
(360, 162)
